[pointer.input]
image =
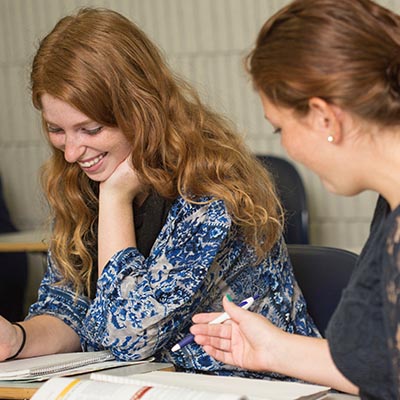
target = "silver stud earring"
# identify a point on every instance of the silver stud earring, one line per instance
(330, 139)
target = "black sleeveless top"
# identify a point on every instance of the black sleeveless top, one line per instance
(364, 331)
(150, 217)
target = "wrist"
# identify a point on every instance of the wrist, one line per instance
(115, 199)
(21, 338)
(278, 349)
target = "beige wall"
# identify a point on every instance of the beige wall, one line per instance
(205, 40)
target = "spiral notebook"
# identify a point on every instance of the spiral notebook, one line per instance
(44, 367)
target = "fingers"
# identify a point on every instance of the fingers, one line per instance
(214, 342)
(234, 311)
(204, 318)
(231, 308)
(213, 331)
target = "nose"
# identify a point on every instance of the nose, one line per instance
(73, 148)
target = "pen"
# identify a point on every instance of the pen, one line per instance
(222, 318)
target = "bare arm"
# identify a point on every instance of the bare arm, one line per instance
(45, 334)
(309, 359)
(116, 226)
(250, 341)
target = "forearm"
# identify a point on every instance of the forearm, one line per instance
(116, 228)
(46, 334)
(309, 359)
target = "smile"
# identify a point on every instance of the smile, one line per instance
(94, 161)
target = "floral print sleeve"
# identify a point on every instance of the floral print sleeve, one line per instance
(59, 300)
(392, 304)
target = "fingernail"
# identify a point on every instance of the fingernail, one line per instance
(229, 297)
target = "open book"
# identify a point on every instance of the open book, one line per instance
(44, 367)
(75, 389)
(127, 383)
(252, 389)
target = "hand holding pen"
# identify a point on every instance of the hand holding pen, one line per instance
(219, 320)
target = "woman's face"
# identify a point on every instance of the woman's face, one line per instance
(97, 149)
(306, 143)
(295, 133)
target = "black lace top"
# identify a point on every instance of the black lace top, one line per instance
(364, 332)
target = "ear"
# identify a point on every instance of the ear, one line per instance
(326, 118)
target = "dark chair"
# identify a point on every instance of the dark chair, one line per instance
(13, 272)
(292, 194)
(322, 273)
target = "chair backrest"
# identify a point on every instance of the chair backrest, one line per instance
(292, 194)
(13, 271)
(6, 225)
(322, 273)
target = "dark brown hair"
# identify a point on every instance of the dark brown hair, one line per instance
(346, 52)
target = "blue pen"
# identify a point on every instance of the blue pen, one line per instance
(222, 318)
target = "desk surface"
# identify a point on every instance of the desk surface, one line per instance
(29, 241)
(18, 391)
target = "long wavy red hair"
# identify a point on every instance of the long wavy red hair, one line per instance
(102, 64)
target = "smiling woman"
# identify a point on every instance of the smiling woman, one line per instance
(98, 150)
(158, 207)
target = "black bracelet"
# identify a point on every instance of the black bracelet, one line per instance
(23, 341)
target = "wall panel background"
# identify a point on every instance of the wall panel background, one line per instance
(205, 41)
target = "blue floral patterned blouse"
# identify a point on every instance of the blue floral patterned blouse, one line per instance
(143, 306)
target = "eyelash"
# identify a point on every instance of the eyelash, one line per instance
(277, 131)
(88, 131)
(53, 130)
(93, 131)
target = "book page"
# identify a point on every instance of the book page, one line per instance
(75, 389)
(254, 389)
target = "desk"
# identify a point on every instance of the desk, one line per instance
(21, 391)
(24, 241)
